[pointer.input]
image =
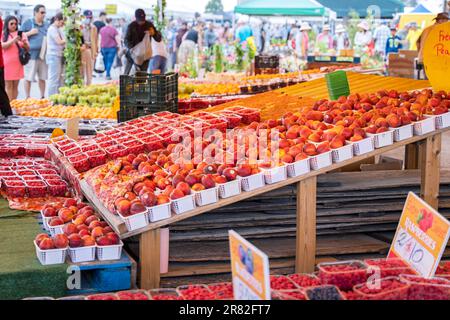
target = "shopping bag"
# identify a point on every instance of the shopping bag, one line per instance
(99, 64)
(142, 51)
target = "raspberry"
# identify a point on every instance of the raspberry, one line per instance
(281, 283)
(344, 274)
(390, 289)
(196, 292)
(129, 295)
(304, 280)
(222, 290)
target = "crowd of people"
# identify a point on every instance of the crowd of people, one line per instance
(33, 50)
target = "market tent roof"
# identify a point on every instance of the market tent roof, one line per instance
(283, 8)
(342, 8)
(420, 9)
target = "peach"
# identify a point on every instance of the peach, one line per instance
(168, 190)
(323, 147)
(336, 143)
(148, 199)
(55, 221)
(88, 241)
(130, 196)
(97, 232)
(405, 120)
(123, 207)
(356, 137)
(41, 236)
(138, 187)
(192, 179)
(137, 207)
(69, 203)
(46, 244)
(84, 232)
(371, 129)
(198, 187)
(347, 133)
(49, 212)
(162, 199)
(315, 137)
(220, 179)
(208, 181)
(244, 170)
(94, 224)
(60, 241)
(176, 194)
(89, 220)
(70, 228)
(103, 241)
(393, 120)
(113, 237)
(310, 149)
(300, 156)
(382, 129)
(75, 241)
(287, 158)
(66, 215)
(184, 187)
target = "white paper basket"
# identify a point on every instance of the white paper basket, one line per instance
(135, 221)
(321, 161)
(403, 132)
(342, 153)
(82, 254)
(383, 139)
(443, 120)
(208, 196)
(363, 146)
(184, 204)
(159, 212)
(275, 175)
(229, 189)
(252, 182)
(425, 126)
(113, 252)
(51, 256)
(298, 168)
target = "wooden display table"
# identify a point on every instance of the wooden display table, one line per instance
(422, 152)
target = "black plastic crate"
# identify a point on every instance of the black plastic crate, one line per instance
(262, 62)
(144, 88)
(130, 112)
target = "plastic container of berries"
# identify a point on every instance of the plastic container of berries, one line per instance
(47, 177)
(159, 212)
(164, 294)
(46, 171)
(89, 147)
(15, 189)
(184, 204)
(135, 221)
(72, 152)
(404, 132)
(96, 157)
(195, 292)
(282, 283)
(35, 150)
(276, 174)
(427, 125)
(382, 139)
(321, 160)
(252, 182)
(443, 270)
(133, 295)
(111, 252)
(80, 162)
(57, 188)
(343, 153)
(389, 288)
(32, 178)
(389, 267)
(50, 256)
(324, 292)
(343, 274)
(26, 172)
(442, 120)
(102, 296)
(116, 151)
(223, 290)
(304, 280)
(289, 294)
(207, 196)
(426, 289)
(229, 189)
(82, 254)
(36, 189)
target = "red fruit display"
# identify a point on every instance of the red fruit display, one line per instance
(104, 241)
(40, 237)
(386, 289)
(88, 241)
(60, 241)
(304, 280)
(389, 267)
(75, 241)
(46, 244)
(69, 229)
(344, 274)
(282, 283)
(196, 292)
(148, 199)
(55, 221)
(132, 295)
(49, 212)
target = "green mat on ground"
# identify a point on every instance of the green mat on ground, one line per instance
(21, 274)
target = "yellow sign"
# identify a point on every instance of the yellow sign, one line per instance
(250, 269)
(111, 9)
(421, 237)
(436, 56)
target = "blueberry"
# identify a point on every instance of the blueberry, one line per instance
(323, 293)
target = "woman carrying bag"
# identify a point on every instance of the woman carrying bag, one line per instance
(16, 54)
(55, 53)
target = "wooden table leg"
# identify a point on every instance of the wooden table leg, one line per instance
(306, 226)
(412, 156)
(149, 255)
(430, 160)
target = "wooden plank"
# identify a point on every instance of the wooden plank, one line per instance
(306, 225)
(149, 255)
(246, 195)
(412, 156)
(430, 161)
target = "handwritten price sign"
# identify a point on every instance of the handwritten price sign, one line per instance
(250, 269)
(421, 236)
(436, 56)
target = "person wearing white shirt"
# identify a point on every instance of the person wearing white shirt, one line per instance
(363, 37)
(159, 57)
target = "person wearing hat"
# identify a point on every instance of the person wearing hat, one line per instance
(341, 41)
(302, 40)
(393, 42)
(324, 40)
(440, 18)
(89, 47)
(243, 30)
(363, 37)
(136, 32)
(380, 36)
(413, 35)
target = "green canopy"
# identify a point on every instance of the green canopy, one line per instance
(343, 7)
(281, 8)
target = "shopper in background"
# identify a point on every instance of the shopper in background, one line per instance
(243, 31)
(324, 40)
(191, 42)
(380, 36)
(12, 39)
(363, 37)
(302, 40)
(158, 62)
(100, 22)
(171, 44)
(210, 36)
(393, 43)
(180, 35)
(109, 43)
(55, 52)
(5, 107)
(89, 48)
(35, 29)
(135, 33)
(226, 34)
(413, 35)
(341, 40)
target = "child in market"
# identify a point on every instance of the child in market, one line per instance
(393, 43)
